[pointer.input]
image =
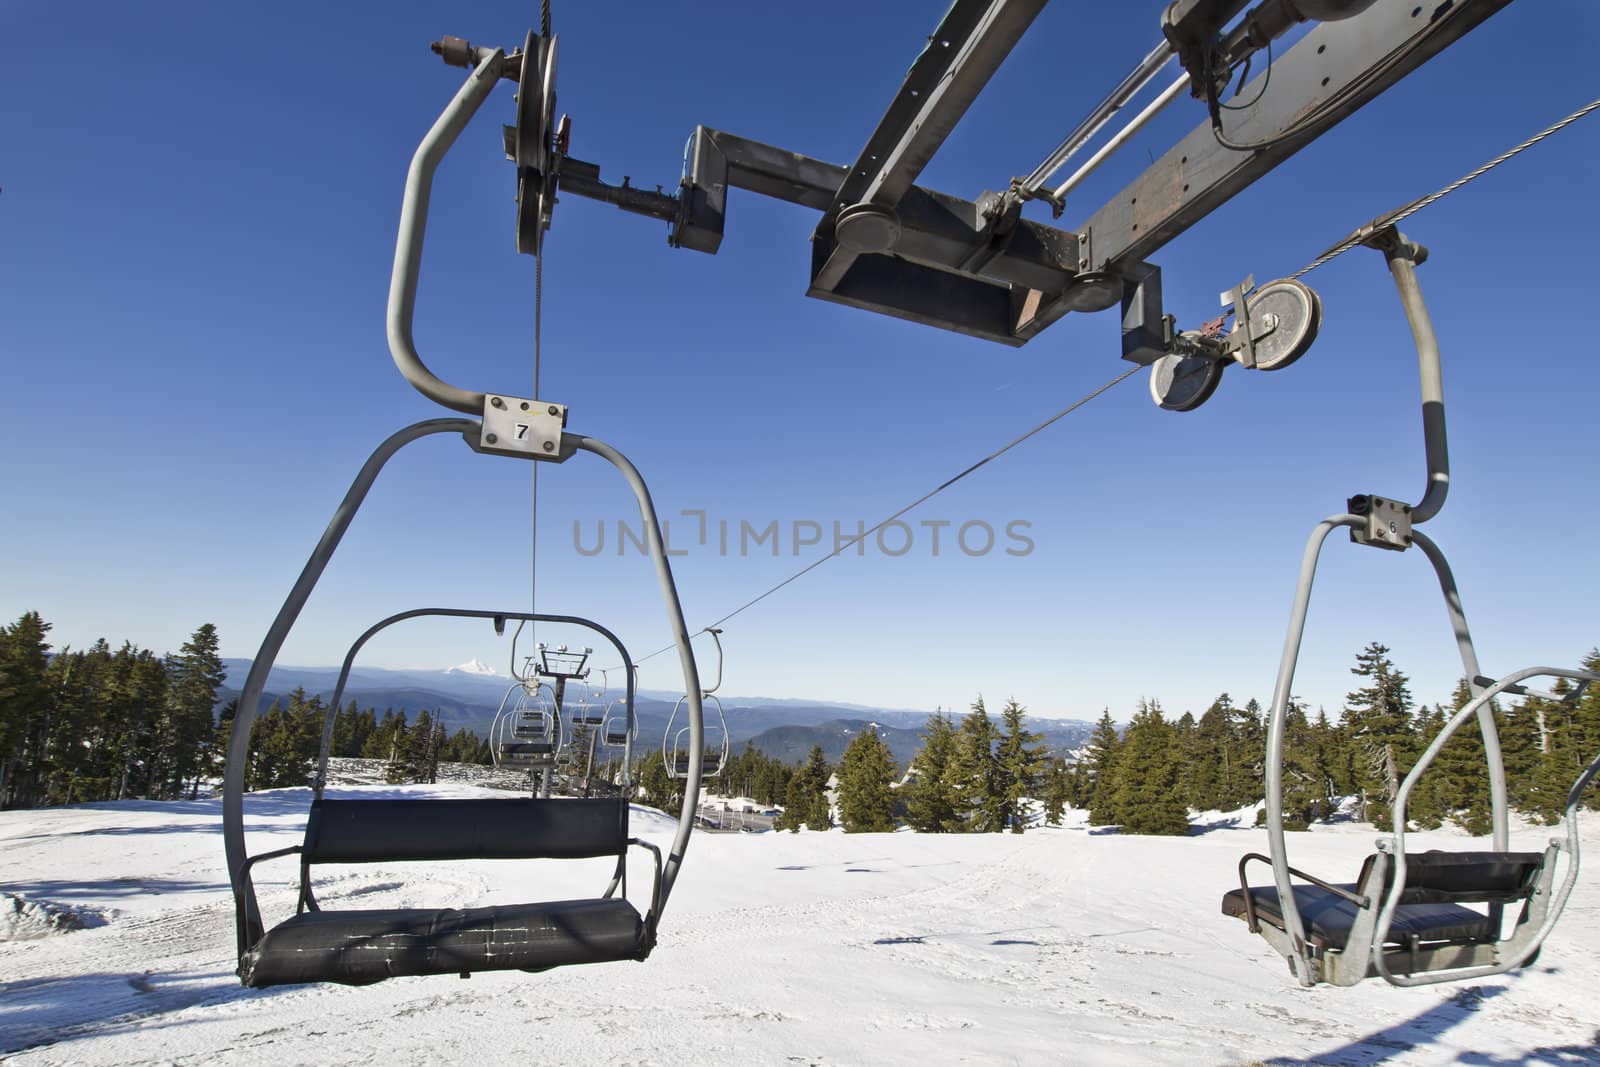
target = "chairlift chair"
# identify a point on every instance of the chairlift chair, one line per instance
(678, 746)
(524, 734)
(618, 728)
(365, 945)
(1411, 918)
(359, 946)
(714, 756)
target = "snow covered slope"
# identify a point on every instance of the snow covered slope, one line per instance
(1059, 946)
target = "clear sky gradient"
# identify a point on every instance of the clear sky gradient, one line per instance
(197, 227)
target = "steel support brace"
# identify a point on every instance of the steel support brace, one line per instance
(965, 50)
(1335, 69)
(947, 268)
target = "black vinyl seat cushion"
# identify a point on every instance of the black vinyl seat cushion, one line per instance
(360, 947)
(1328, 917)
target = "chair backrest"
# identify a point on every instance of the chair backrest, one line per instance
(1470, 877)
(370, 831)
(1436, 877)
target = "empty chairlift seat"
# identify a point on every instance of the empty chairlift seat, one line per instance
(357, 947)
(1431, 914)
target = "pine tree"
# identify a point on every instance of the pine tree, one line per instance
(1250, 733)
(816, 774)
(866, 778)
(1101, 769)
(1559, 761)
(928, 803)
(1456, 786)
(1058, 791)
(1218, 774)
(196, 676)
(1378, 718)
(1146, 777)
(25, 708)
(1586, 719)
(972, 776)
(1195, 774)
(1020, 759)
(656, 788)
(1303, 795)
(1328, 741)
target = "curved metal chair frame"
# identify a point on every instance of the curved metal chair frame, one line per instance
(490, 66)
(1383, 890)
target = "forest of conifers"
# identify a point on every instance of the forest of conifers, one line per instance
(103, 724)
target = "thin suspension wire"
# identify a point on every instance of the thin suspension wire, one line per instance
(538, 324)
(1400, 214)
(929, 495)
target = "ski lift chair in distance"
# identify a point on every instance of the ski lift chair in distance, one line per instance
(676, 743)
(1411, 918)
(524, 735)
(619, 728)
(363, 946)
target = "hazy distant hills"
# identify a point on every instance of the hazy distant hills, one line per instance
(784, 728)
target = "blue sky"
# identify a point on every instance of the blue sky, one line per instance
(198, 219)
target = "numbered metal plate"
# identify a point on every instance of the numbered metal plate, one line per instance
(1182, 383)
(536, 106)
(1284, 318)
(522, 427)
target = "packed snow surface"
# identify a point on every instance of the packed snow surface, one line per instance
(1058, 946)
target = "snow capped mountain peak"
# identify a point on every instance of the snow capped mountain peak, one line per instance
(472, 666)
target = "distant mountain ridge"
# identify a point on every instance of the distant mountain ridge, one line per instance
(785, 728)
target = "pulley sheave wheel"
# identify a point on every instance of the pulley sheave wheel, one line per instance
(1297, 309)
(536, 107)
(1181, 382)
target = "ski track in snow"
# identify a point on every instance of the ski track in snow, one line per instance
(1058, 946)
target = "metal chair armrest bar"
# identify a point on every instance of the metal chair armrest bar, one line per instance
(655, 884)
(1249, 902)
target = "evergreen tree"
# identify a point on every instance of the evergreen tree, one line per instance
(1378, 719)
(1303, 791)
(656, 788)
(1058, 791)
(1196, 776)
(1101, 770)
(1586, 720)
(866, 778)
(1559, 761)
(928, 803)
(1217, 779)
(816, 775)
(972, 777)
(1146, 777)
(1250, 731)
(25, 708)
(1020, 759)
(196, 676)
(1327, 741)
